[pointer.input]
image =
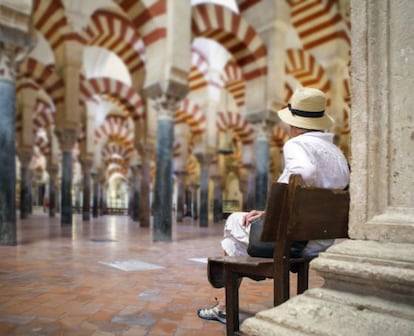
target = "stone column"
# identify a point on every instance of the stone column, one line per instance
(67, 138)
(86, 165)
(218, 198)
(194, 200)
(369, 278)
(262, 168)
(95, 196)
(249, 201)
(145, 213)
(204, 160)
(52, 170)
(163, 189)
(136, 183)
(25, 157)
(180, 194)
(7, 139)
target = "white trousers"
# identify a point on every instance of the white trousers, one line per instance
(236, 236)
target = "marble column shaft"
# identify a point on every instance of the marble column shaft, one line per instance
(95, 211)
(204, 193)
(52, 191)
(144, 214)
(180, 195)
(163, 184)
(218, 199)
(262, 172)
(67, 138)
(66, 207)
(86, 170)
(25, 184)
(8, 164)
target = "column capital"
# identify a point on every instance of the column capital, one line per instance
(166, 105)
(204, 158)
(86, 163)
(25, 156)
(67, 138)
(9, 60)
(52, 170)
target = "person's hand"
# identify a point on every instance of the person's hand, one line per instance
(251, 216)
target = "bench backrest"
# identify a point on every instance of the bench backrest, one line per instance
(294, 212)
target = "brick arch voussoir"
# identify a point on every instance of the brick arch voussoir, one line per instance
(233, 33)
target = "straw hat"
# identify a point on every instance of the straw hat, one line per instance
(307, 110)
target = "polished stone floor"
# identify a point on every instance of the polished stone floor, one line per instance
(107, 277)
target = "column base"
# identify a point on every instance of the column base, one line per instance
(369, 290)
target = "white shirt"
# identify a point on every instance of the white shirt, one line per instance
(321, 164)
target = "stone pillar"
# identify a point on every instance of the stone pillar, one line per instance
(145, 213)
(194, 200)
(369, 278)
(25, 157)
(249, 200)
(67, 138)
(262, 169)
(136, 182)
(52, 170)
(180, 194)
(218, 198)
(163, 189)
(95, 196)
(7, 139)
(86, 171)
(204, 160)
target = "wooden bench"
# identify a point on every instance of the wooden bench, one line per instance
(293, 213)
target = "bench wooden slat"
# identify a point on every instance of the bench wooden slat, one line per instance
(293, 213)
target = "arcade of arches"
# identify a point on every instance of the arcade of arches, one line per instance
(167, 109)
(113, 96)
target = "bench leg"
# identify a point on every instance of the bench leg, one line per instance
(303, 277)
(232, 302)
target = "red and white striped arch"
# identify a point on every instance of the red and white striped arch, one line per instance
(303, 66)
(318, 22)
(237, 124)
(43, 144)
(44, 116)
(115, 127)
(45, 77)
(198, 76)
(233, 79)
(124, 94)
(234, 34)
(191, 114)
(114, 32)
(50, 21)
(115, 149)
(147, 17)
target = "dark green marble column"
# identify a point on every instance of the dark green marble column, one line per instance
(95, 197)
(52, 170)
(25, 157)
(67, 138)
(204, 160)
(262, 171)
(194, 201)
(136, 181)
(145, 213)
(163, 190)
(86, 171)
(7, 156)
(218, 199)
(180, 194)
(66, 204)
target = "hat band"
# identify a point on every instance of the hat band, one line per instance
(305, 114)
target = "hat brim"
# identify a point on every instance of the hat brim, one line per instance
(322, 123)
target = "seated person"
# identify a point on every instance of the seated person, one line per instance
(309, 152)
